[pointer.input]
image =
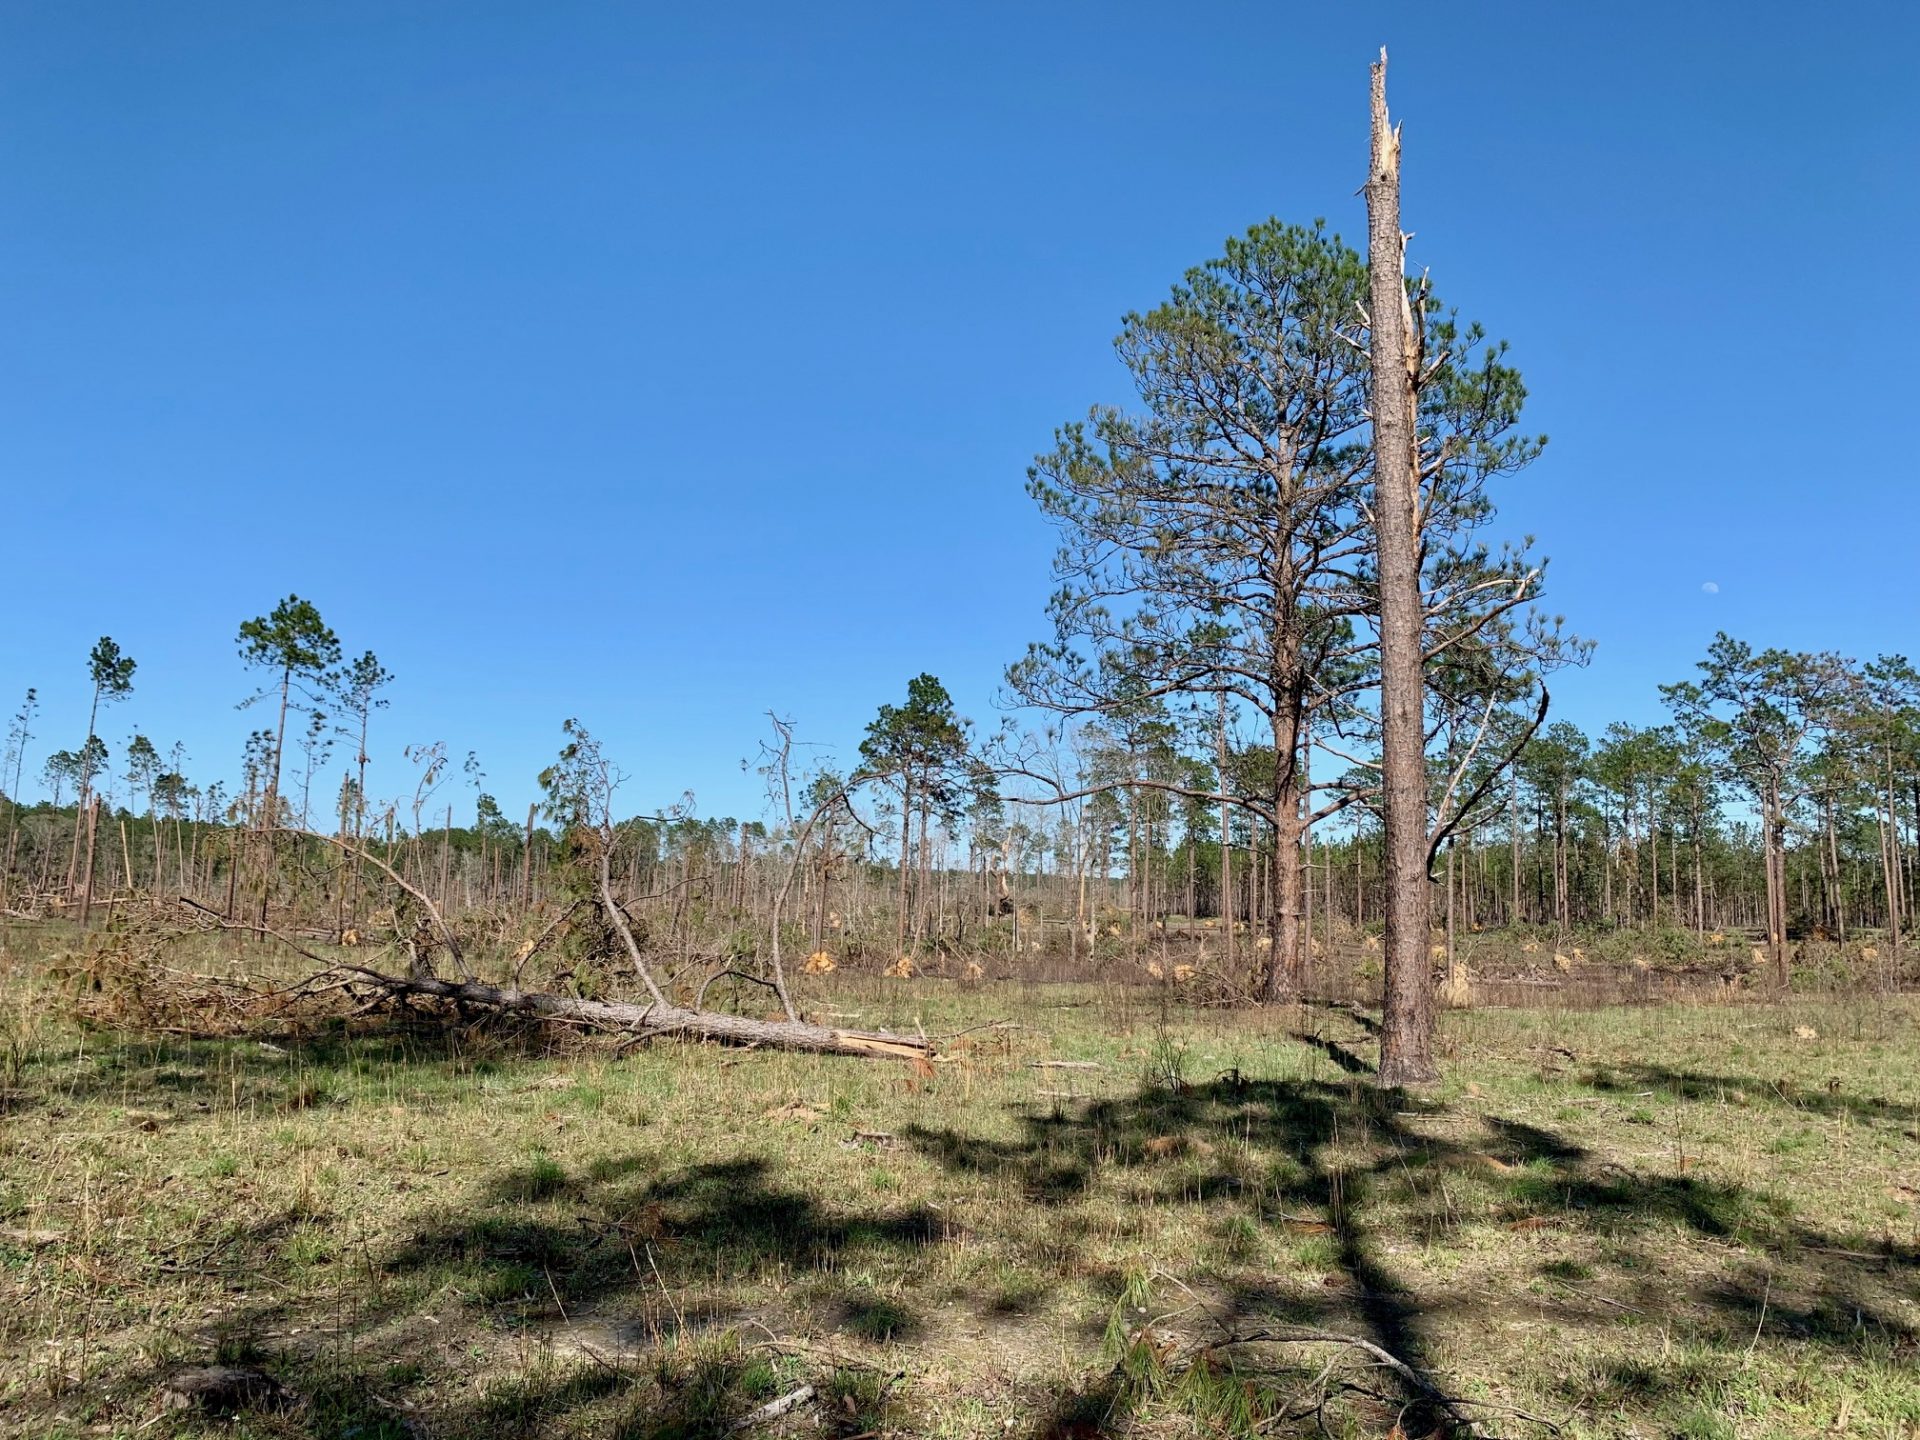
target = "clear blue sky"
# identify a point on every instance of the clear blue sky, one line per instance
(663, 364)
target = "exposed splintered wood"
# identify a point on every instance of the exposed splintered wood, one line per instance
(659, 1019)
(1406, 1039)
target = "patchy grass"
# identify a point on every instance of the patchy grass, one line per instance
(1629, 1221)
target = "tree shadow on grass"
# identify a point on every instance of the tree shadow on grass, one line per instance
(714, 1225)
(1062, 1157)
(618, 1296)
(1750, 1090)
(329, 1065)
(655, 1263)
(1364, 1171)
(1341, 1056)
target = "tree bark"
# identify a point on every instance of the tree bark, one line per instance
(1226, 838)
(906, 846)
(1562, 905)
(86, 789)
(1284, 959)
(1774, 843)
(1406, 1035)
(1286, 877)
(86, 875)
(659, 1019)
(1513, 909)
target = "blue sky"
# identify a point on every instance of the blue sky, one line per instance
(661, 365)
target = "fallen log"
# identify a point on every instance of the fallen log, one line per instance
(657, 1019)
(640, 1021)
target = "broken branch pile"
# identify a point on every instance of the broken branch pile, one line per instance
(123, 980)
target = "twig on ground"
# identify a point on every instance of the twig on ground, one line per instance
(1420, 1384)
(1760, 1324)
(990, 1025)
(772, 1410)
(679, 1318)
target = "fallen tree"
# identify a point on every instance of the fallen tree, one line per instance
(655, 1018)
(131, 968)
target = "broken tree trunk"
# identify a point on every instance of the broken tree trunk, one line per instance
(658, 1019)
(1406, 1037)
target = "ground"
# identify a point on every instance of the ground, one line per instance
(1695, 1220)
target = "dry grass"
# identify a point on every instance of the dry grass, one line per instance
(1629, 1221)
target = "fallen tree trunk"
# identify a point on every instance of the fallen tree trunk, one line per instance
(659, 1019)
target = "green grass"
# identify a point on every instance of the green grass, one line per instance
(1633, 1221)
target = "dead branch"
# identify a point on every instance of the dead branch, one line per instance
(521, 959)
(1441, 832)
(1416, 1381)
(617, 917)
(445, 931)
(266, 930)
(700, 1000)
(773, 1409)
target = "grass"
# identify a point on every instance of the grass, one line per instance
(1632, 1221)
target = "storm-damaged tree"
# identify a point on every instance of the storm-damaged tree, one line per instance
(295, 647)
(827, 848)
(61, 770)
(356, 689)
(143, 770)
(12, 768)
(111, 672)
(1444, 411)
(1222, 540)
(1406, 1044)
(316, 745)
(580, 787)
(173, 795)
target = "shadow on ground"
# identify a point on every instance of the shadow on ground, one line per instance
(1368, 1168)
(667, 1260)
